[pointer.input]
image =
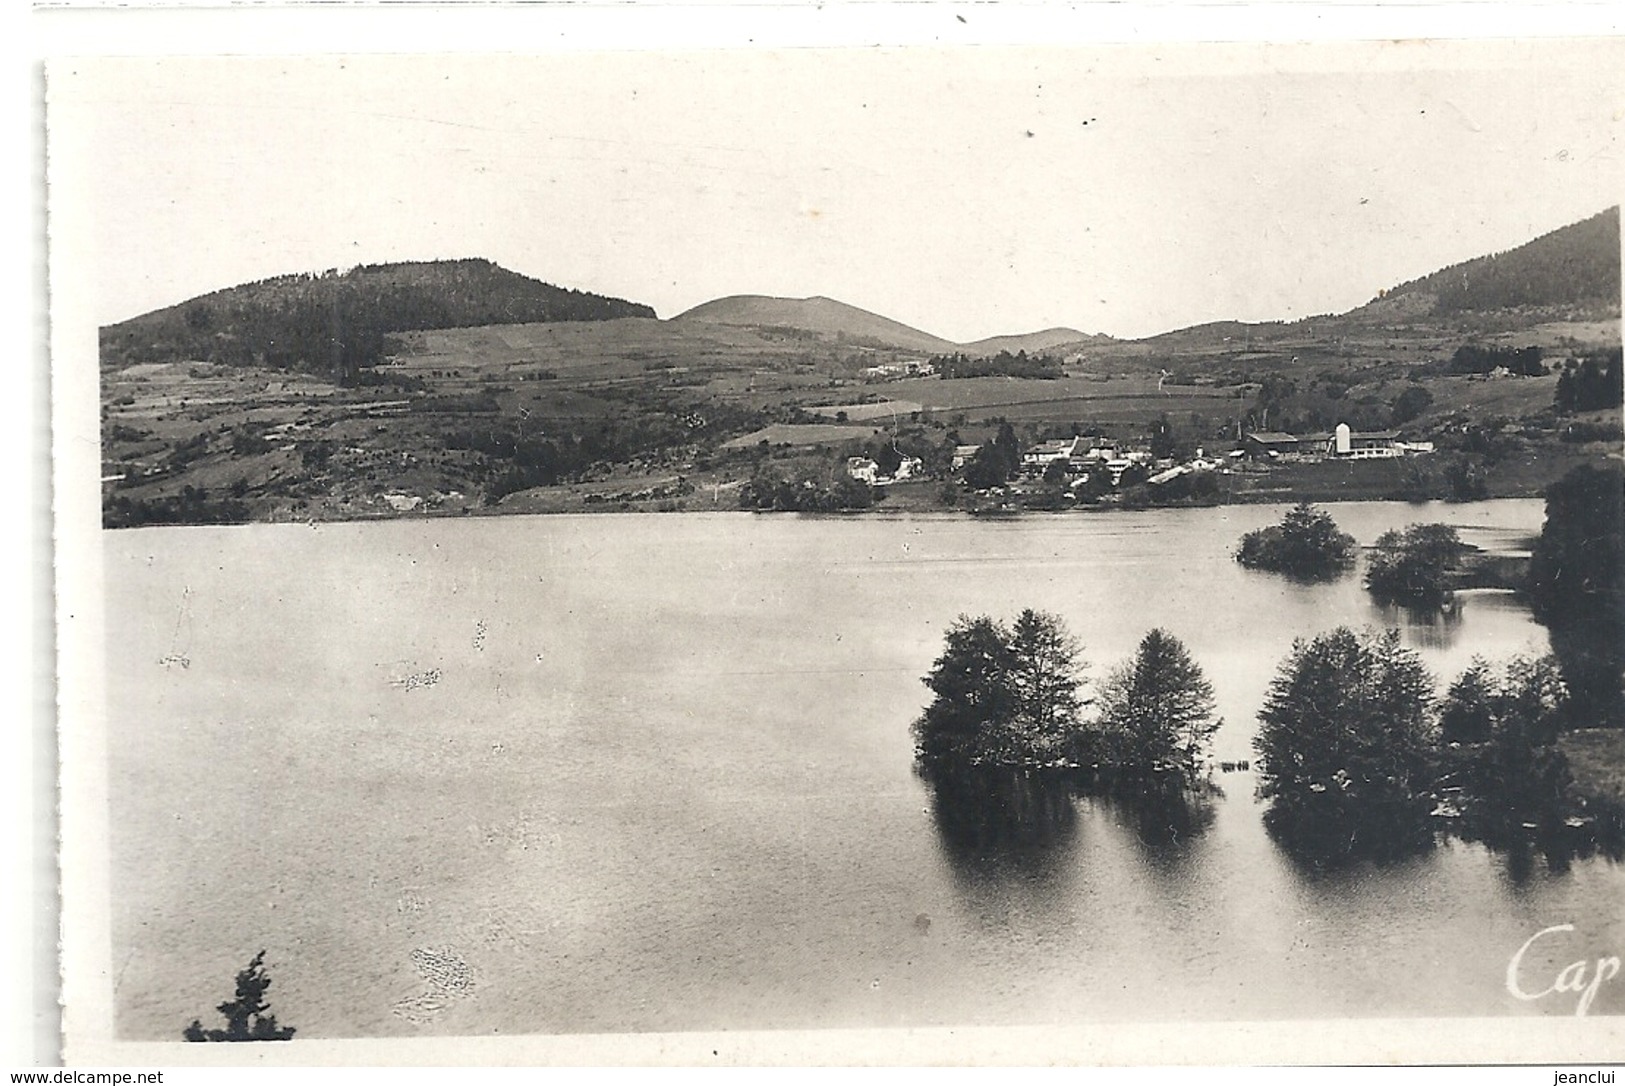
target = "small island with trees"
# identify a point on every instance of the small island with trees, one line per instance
(1415, 566)
(1307, 545)
(1010, 737)
(1359, 757)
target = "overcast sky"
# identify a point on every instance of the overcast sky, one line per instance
(965, 192)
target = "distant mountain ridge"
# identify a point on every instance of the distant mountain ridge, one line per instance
(1574, 267)
(337, 322)
(1033, 342)
(826, 316)
(821, 315)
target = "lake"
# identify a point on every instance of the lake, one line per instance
(654, 773)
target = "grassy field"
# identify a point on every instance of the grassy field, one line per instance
(1597, 760)
(803, 435)
(887, 410)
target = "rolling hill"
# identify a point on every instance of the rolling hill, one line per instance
(1571, 274)
(1033, 342)
(336, 323)
(490, 386)
(1573, 265)
(818, 316)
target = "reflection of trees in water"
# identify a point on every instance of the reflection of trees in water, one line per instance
(1509, 814)
(1590, 649)
(1325, 830)
(1008, 822)
(1525, 817)
(1163, 812)
(1166, 817)
(1432, 627)
(1558, 832)
(1000, 809)
(1004, 828)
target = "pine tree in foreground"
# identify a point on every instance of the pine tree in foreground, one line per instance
(247, 1017)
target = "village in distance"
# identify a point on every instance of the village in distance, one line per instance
(457, 387)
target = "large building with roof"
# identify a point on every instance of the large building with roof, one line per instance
(1343, 443)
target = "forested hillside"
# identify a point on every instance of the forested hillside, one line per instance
(337, 323)
(1573, 265)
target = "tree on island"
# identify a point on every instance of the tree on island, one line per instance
(1156, 712)
(1413, 566)
(1306, 545)
(1045, 679)
(246, 1015)
(970, 682)
(1003, 696)
(1466, 715)
(1345, 747)
(1508, 723)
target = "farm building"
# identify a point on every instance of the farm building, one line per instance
(1344, 443)
(1045, 453)
(1348, 444)
(1271, 444)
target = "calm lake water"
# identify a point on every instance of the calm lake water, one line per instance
(626, 773)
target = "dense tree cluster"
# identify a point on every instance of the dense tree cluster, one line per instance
(1358, 762)
(1409, 405)
(1010, 696)
(1306, 544)
(193, 505)
(1004, 364)
(518, 461)
(339, 323)
(1004, 695)
(1344, 746)
(888, 450)
(519, 457)
(1580, 432)
(996, 461)
(1164, 442)
(1355, 758)
(1504, 724)
(1577, 587)
(1577, 568)
(1156, 712)
(806, 488)
(1595, 383)
(1191, 488)
(1413, 565)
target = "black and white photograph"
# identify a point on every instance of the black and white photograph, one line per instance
(1087, 553)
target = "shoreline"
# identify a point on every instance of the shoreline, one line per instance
(880, 511)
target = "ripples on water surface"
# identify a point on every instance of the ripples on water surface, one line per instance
(654, 773)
